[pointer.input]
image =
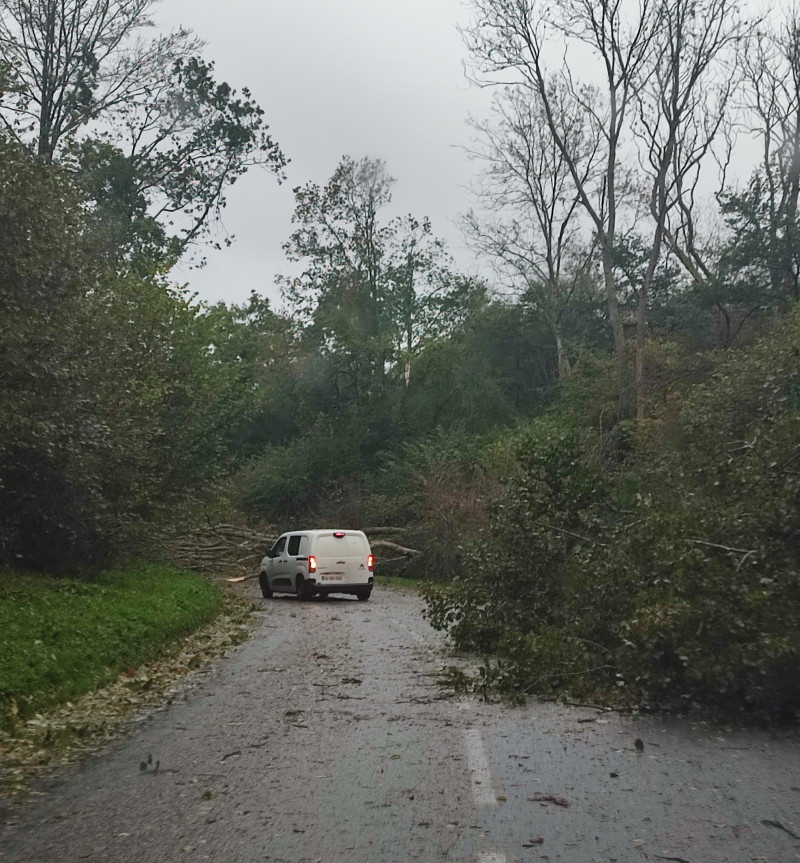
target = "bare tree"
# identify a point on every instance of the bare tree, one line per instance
(77, 59)
(772, 74)
(512, 35)
(530, 218)
(682, 105)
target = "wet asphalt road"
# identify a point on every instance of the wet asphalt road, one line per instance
(325, 738)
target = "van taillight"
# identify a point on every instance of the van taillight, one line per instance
(370, 563)
(312, 564)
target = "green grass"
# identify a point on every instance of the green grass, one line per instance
(397, 581)
(60, 638)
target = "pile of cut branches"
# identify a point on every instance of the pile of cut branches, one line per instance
(230, 549)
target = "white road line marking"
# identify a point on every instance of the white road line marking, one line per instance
(480, 772)
(492, 857)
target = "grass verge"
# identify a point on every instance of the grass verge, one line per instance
(397, 581)
(60, 638)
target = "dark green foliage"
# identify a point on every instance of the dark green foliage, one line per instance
(292, 479)
(45, 416)
(126, 234)
(760, 264)
(495, 368)
(118, 395)
(720, 570)
(671, 573)
(60, 638)
(48, 522)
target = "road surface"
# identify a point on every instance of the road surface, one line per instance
(326, 738)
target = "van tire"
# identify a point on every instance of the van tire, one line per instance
(300, 588)
(264, 582)
(363, 595)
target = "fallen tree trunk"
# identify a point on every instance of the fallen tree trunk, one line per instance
(236, 550)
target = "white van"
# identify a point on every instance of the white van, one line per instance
(309, 562)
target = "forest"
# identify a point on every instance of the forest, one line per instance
(595, 442)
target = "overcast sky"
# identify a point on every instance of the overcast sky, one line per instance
(379, 78)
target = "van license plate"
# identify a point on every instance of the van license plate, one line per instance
(335, 577)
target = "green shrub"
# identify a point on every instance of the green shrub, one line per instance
(669, 573)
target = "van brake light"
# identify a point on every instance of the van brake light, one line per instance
(370, 563)
(312, 563)
(340, 534)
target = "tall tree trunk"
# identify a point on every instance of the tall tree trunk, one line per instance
(790, 216)
(44, 146)
(564, 367)
(641, 347)
(625, 393)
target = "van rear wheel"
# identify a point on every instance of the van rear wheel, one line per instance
(363, 595)
(300, 588)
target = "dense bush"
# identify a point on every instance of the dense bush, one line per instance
(670, 572)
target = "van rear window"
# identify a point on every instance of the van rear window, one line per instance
(348, 546)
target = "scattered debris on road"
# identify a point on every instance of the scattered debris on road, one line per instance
(533, 842)
(777, 824)
(539, 797)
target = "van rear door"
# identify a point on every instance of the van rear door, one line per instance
(342, 558)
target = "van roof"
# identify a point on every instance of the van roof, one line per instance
(326, 530)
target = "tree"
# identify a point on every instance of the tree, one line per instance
(119, 395)
(772, 76)
(76, 60)
(510, 36)
(372, 290)
(753, 262)
(47, 425)
(427, 298)
(81, 69)
(533, 229)
(681, 108)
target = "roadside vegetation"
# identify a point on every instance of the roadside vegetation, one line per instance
(60, 637)
(658, 570)
(595, 449)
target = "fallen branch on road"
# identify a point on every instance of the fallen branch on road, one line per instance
(768, 823)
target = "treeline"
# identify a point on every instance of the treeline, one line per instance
(596, 445)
